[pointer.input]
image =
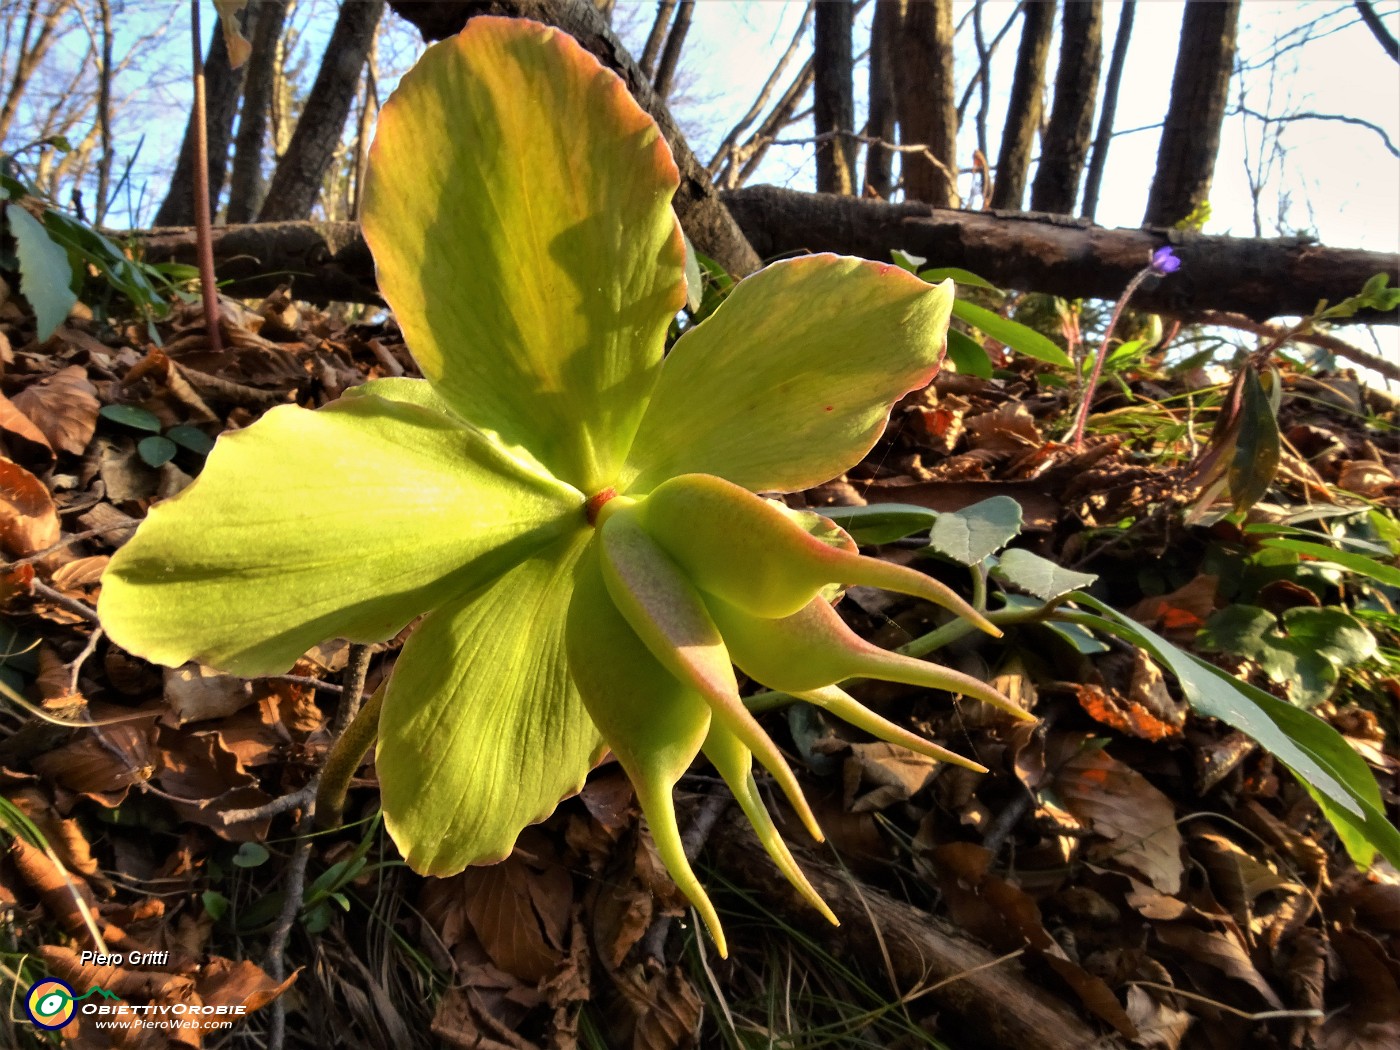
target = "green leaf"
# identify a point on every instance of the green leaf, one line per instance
(518, 207)
(881, 522)
(1038, 576)
(907, 262)
(1307, 662)
(1357, 563)
(344, 522)
(967, 536)
(958, 276)
(482, 730)
(1335, 775)
(791, 380)
(968, 355)
(1012, 333)
(215, 904)
(250, 855)
(1257, 448)
(694, 279)
(191, 439)
(44, 274)
(131, 416)
(155, 451)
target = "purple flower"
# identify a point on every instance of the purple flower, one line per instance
(1164, 261)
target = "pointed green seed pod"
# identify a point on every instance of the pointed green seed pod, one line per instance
(747, 551)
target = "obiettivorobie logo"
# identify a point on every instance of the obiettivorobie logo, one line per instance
(51, 1002)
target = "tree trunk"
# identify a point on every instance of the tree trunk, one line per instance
(1205, 61)
(246, 183)
(671, 53)
(1065, 146)
(1103, 138)
(833, 101)
(651, 51)
(879, 162)
(222, 86)
(297, 181)
(927, 116)
(1024, 110)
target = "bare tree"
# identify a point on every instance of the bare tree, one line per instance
(1205, 61)
(927, 117)
(671, 53)
(880, 125)
(222, 86)
(1024, 109)
(651, 51)
(1065, 146)
(246, 182)
(1103, 138)
(834, 106)
(297, 180)
(40, 30)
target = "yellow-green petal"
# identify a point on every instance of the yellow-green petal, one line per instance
(653, 723)
(790, 382)
(517, 204)
(348, 521)
(483, 731)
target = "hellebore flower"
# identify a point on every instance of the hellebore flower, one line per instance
(578, 523)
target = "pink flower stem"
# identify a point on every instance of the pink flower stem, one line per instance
(1076, 436)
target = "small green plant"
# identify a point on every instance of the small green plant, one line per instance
(60, 259)
(578, 521)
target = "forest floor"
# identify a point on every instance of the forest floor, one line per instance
(1127, 874)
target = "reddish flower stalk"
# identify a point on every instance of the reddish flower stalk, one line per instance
(1164, 262)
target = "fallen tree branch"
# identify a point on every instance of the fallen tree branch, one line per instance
(985, 1005)
(1068, 257)
(1254, 279)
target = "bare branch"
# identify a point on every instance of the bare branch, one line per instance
(1343, 118)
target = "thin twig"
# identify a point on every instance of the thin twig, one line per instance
(72, 605)
(76, 666)
(209, 290)
(1263, 1015)
(68, 541)
(1324, 340)
(356, 670)
(279, 805)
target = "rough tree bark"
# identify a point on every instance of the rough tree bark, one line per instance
(1065, 146)
(297, 181)
(711, 228)
(245, 187)
(1023, 250)
(1048, 253)
(1205, 61)
(879, 162)
(1103, 138)
(927, 115)
(1024, 110)
(222, 86)
(833, 101)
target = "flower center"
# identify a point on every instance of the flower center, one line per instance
(592, 508)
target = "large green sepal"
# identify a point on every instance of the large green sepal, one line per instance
(348, 521)
(483, 730)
